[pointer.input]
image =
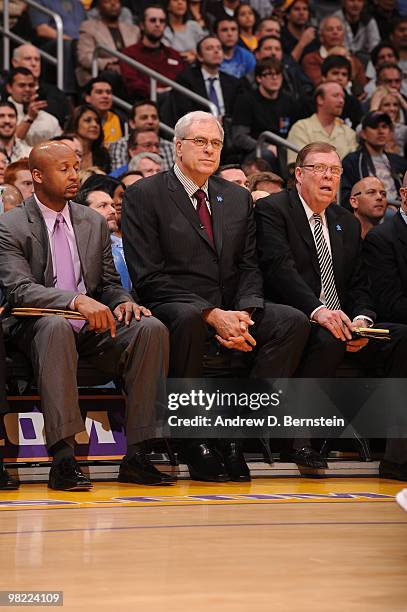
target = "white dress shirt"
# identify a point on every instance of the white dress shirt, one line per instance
(206, 76)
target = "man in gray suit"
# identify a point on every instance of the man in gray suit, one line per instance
(56, 254)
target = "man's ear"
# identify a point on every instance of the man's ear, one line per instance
(37, 176)
(353, 202)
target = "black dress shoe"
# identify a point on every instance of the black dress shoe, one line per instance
(7, 482)
(395, 471)
(66, 475)
(203, 463)
(139, 470)
(306, 457)
(233, 460)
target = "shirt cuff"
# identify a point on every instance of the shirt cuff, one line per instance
(316, 310)
(72, 304)
(368, 320)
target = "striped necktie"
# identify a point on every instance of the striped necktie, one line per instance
(325, 265)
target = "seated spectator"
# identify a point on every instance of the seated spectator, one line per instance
(371, 159)
(383, 53)
(268, 108)
(250, 166)
(385, 13)
(10, 197)
(331, 34)
(222, 9)
(233, 173)
(339, 69)
(117, 239)
(387, 101)
(126, 15)
(130, 177)
(298, 36)
(390, 75)
(144, 114)
(28, 56)
(83, 175)
(18, 174)
(34, 124)
(98, 93)
(369, 203)
(325, 125)
(246, 19)
(147, 163)
(237, 61)
(3, 163)
(265, 182)
(152, 53)
(107, 29)
(398, 36)
(139, 141)
(86, 124)
(207, 80)
(361, 31)
(268, 26)
(12, 147)
(182, 33)
(197, 11)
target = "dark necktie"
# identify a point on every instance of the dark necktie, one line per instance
(204, 214)
(213, 96)
(325, 265)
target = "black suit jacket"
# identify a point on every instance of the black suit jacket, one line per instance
(385, 256)
(192, 79)
(289, 260)
(168, 253)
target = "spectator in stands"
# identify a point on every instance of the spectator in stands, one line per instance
(130, 177)
(197, 11)
(144, 114)
(98, 93)
(257, 164)
(338, 68)
(325, 125)
(390, 75)
(117, 239)
(383, 53)
(268, 108)
(152, 53)
(12, 147)
(139, 141)
(233, 173)
(266, 182)
(207, 80)
(371, 159)
(182, 33)
(28, 56)
(369, 203)
(10, 197)
(107, 30)
(398, 37)
(119, 337)
(385, 14)
(268, 26)
(386, 101)
(34, 124)
(86, 124)
(222, 9)
(3, 159)
(145, 162)
(298, 36)
(18, 174)
(72, 14)
(237, 61)
(246, 19)
(361, 31)
(331, 34)
(96, 192)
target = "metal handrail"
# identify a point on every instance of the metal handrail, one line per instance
(7, 34)
(154, 77)
(127, 107)
(274, 138)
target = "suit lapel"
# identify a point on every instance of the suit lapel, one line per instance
(336, 240)
(40, 233)
(303, 226)
(181, 199)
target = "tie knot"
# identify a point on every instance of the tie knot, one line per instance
(200, 197)
(317, 218)
(59, 221)
(212, 80)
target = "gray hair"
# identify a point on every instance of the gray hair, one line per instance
(326, 19)
(17, 50)
(182, 126)
(133, 163)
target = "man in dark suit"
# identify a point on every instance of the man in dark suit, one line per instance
(310, 255)
(189, 241)
(57, 254)
(206, 80)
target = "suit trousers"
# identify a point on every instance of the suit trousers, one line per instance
(281, 332)
(138, 355)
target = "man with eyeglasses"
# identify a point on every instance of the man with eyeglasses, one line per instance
(309, 252)
(189, 241)
(369, 202)
(151, 52)
(140, 141)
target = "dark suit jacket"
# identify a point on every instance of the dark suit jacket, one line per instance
(192, 79)
(385, 256)
(26, 271)
(289, 261)
(169, 256)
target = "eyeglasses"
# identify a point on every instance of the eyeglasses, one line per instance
(157, 19)
(201, 142)
(150, 145)
(323, 169)
(272, 74)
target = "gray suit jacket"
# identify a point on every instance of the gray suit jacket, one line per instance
(26, 271)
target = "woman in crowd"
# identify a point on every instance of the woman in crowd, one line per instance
(361, 31)
(197, 12)
(181, 33)
(86, 124)
(387, 101)
(246, 19)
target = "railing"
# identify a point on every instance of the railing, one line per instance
(275, 139)
(127, 107)
(7, 34)
(154, 77)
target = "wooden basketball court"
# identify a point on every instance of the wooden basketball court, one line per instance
(281, 544)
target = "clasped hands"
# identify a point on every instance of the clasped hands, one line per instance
(232, 328)
(340, 326)
(100, 318)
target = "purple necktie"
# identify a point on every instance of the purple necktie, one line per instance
(64, 264)
(204, 214)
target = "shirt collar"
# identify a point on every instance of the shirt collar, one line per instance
(403, 215)
(50, 215)
(188, 184)
(310, 213)
(116, 239)
(206, 75)
(323, 51)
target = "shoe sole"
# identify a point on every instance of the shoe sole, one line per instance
(10, 487)
(201, 478)
(75, 488)
(401, 499)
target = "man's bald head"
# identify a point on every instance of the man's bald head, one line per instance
(10, 196)
(46, 153)
(27, 56)
(369, 182)
(369, 202)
